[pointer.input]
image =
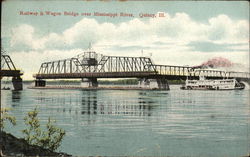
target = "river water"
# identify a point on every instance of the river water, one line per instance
(140, 123)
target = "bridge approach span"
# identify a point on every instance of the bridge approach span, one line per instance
(8, 69)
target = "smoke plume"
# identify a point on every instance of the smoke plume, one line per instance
(223, 64)
(217, 62)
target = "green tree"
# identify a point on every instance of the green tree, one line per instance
(6, 117)
(49, 139)
(53, 137)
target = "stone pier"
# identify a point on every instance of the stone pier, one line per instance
(17, 83)
(40, 83)
(156, 83)
(89, 82)
(162, 83)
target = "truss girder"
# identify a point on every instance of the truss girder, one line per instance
(106, 64)
(7, 63)
(115, 65)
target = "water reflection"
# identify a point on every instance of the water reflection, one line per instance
(89, 102)
(94, 102)
(152, 93)
(98, 121)
(91, 105)
(16, 97)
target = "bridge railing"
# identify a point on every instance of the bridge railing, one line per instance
(239, 74)
(190, 71)
(172, 70)
(224, 74)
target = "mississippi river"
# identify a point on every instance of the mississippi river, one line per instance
(140, 123)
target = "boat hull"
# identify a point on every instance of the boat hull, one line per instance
(184, 88)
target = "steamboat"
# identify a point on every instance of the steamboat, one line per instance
(221, 84)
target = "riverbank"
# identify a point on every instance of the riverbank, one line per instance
(12, 146)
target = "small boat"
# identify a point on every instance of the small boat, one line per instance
(219, 84)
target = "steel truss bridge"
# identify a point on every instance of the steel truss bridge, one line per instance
(92, 66)
(8, 69)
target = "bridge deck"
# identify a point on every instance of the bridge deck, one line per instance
(94, 75)
(10, 73)
(169, 76)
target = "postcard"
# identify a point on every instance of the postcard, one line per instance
(125, 78)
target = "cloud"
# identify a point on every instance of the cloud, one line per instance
(206, 46)
(179, 27)
(82, 31)
(30, 61)
(24, 37)
(225, 29)
(173, 40)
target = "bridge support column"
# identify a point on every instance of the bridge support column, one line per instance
(89, 82)
(17, 83)
(156, 83)
(162, 83)
(40, 83)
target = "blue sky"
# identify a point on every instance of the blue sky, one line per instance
(189, 34)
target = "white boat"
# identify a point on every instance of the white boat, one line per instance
(220, 84)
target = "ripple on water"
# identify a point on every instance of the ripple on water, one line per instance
(112, 122)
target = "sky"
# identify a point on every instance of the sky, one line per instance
(190, 33)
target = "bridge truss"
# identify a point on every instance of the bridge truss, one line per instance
(93, 65)
(8, 69)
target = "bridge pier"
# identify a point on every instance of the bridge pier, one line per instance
(40, 83)
(155, 83)
(89, 82)
(17, 83)
(162, 83)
